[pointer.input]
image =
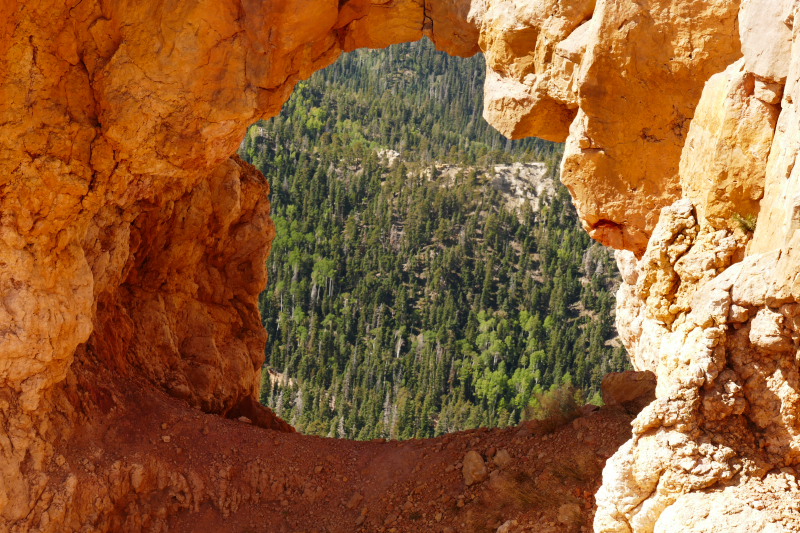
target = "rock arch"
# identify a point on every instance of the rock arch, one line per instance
(132, 242)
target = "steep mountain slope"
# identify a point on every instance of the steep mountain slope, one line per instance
(408, 298)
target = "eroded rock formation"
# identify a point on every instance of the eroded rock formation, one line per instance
(132, 244)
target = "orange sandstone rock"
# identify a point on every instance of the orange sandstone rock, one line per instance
(132, 244)
(723, 165)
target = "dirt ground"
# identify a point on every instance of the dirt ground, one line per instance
(245, 479)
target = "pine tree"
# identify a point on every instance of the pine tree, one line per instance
(407, 298)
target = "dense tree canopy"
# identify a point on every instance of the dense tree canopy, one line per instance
(404, 303)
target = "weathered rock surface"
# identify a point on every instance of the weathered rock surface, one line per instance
(530, 88)
(629, 390)
(766, 33)
(473, 469)
(132, 245)
(714, 314)
(724, 162)
(638, 84)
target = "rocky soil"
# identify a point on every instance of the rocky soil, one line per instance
(535, 483)
(143, 462)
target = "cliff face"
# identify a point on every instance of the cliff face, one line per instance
(711, 308)
(132, 245)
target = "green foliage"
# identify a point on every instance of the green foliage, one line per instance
(402, 303)
(596, 399)
(747, 222)
(410, 98)
(554, 408)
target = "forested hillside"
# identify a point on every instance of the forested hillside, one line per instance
(407, 303)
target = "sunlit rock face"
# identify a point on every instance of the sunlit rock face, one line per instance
(132, 243)
(712, 309)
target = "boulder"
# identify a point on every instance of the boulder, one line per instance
(473, 468)
(509, 526)
(502, 458)
(569, 514)
(720, 178)
(766, 37)
(630, 391)
(588, 409)
(766, 331)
